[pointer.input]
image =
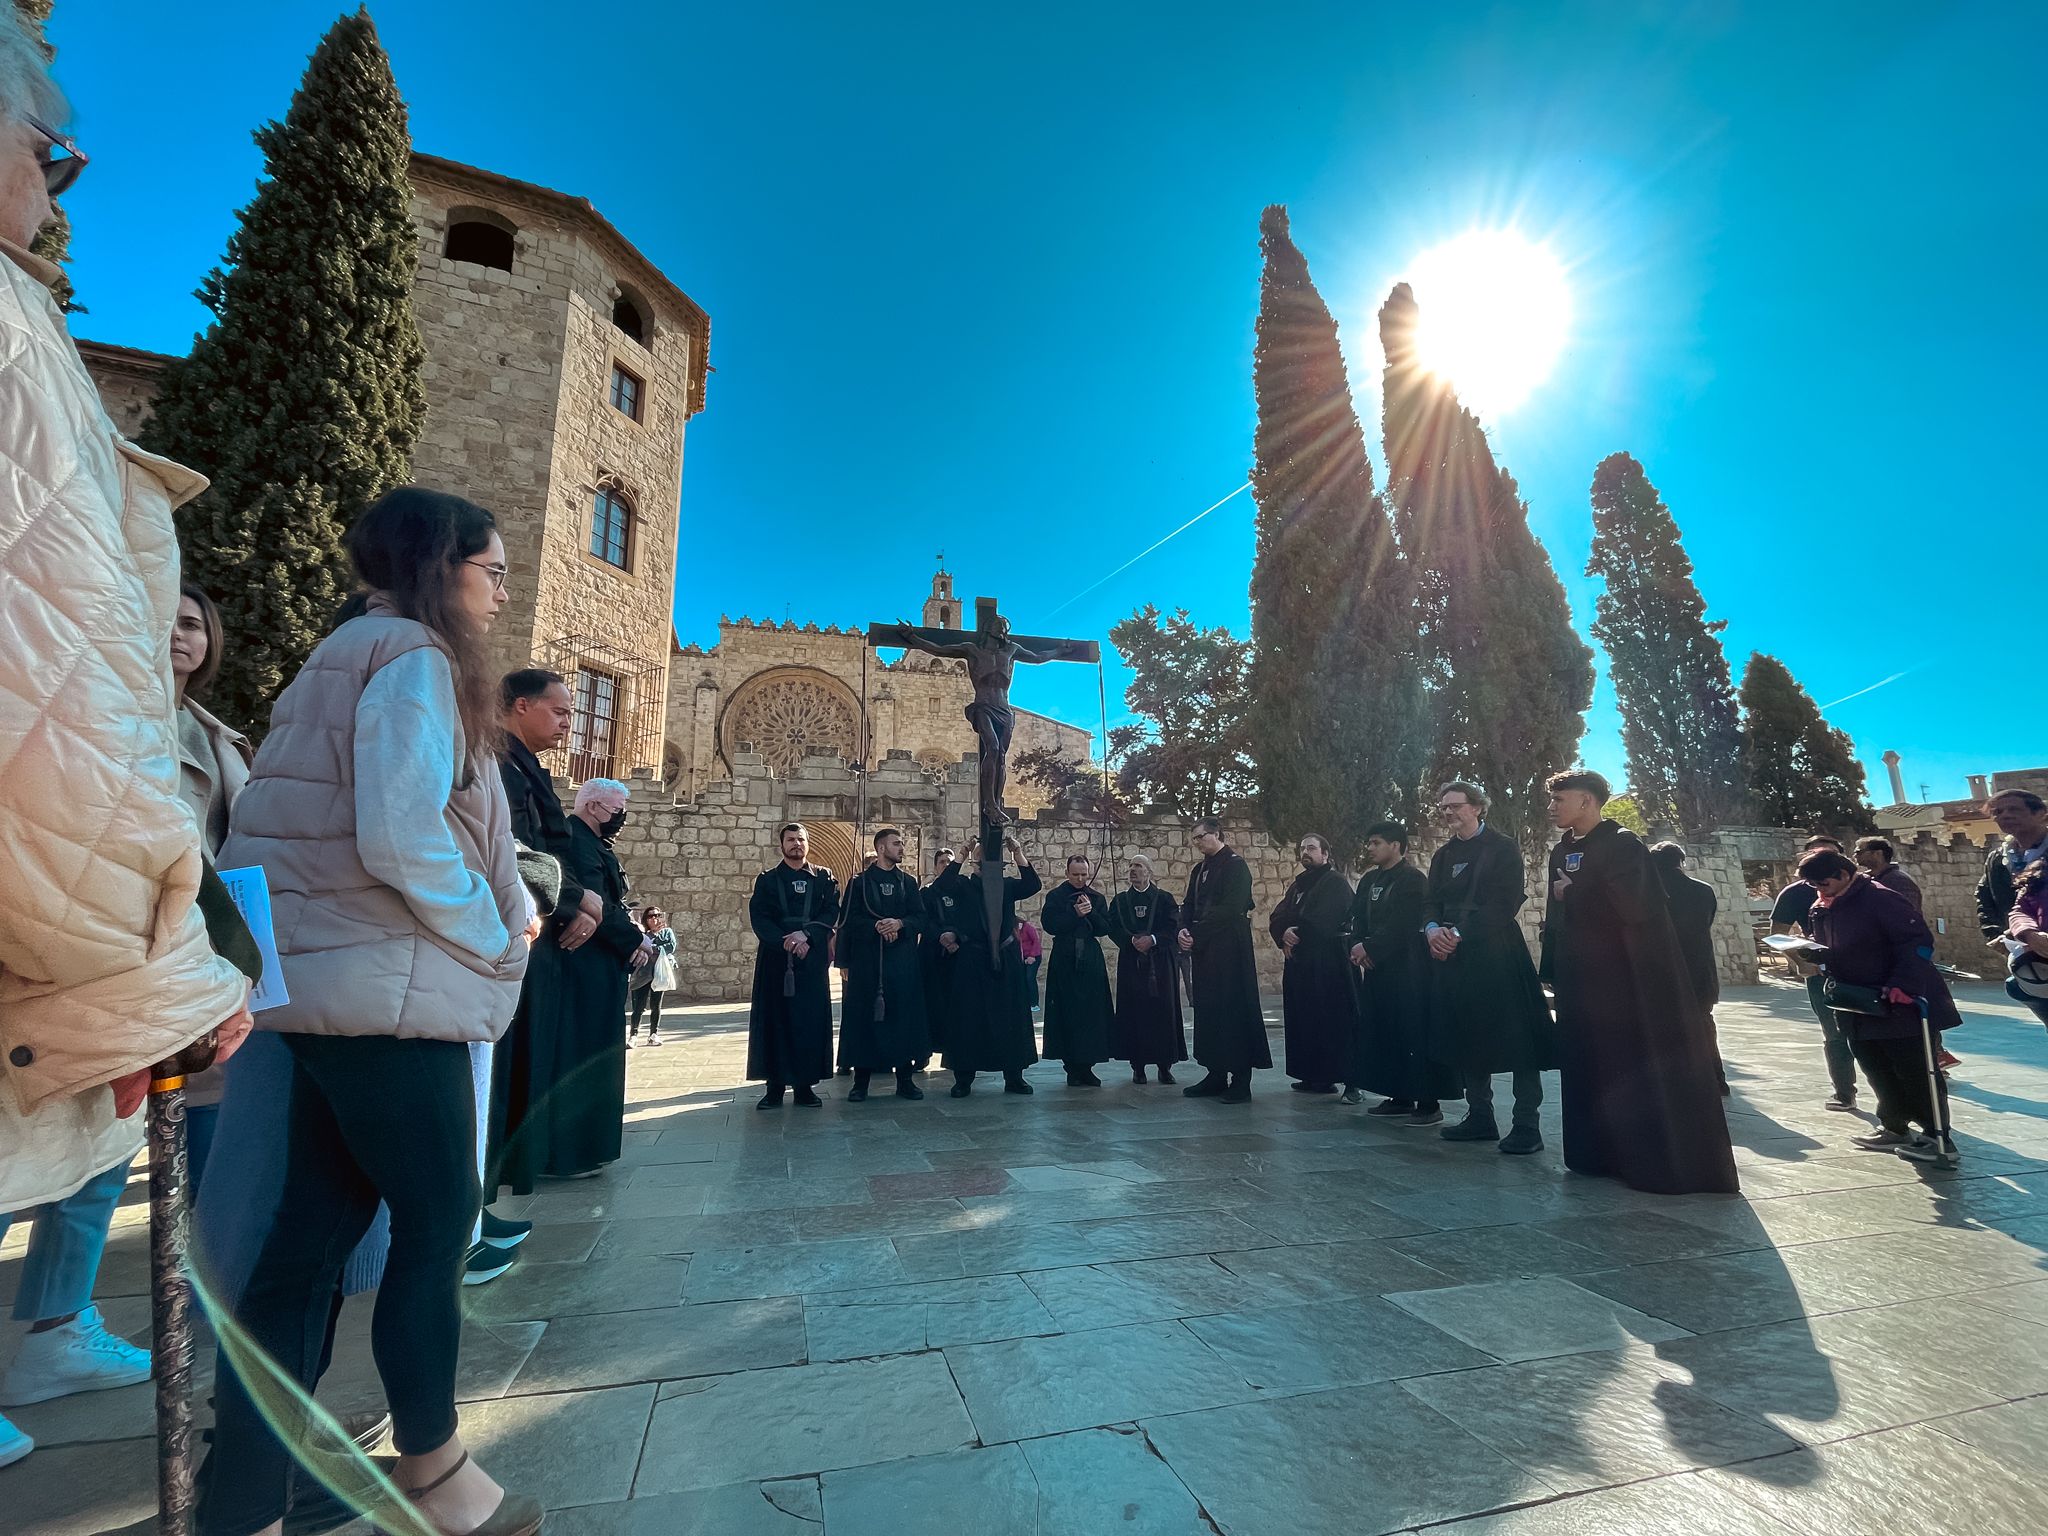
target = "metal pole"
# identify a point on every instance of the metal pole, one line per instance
(1108, 820)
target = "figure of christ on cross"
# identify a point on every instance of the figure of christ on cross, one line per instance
(991, 653)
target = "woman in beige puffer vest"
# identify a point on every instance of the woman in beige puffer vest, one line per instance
(379, 817)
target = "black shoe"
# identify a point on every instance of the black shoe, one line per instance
(1522, 1138)
(1209, 1087)
(1016, 1085)
(906, 1089)
(500, 1233)
(853, 1096)
(1083, 1079)
(1430, 1116)
(807, 1098)
(1841, 1103)
(772, 1099)
(1393, 1107)
(1166, 1075)
(1321, 1088)
(1472, 1128)
(1304, 1087)
(1239, 1091)
(958, 1091)
(1137, 1074)
(483, 1264)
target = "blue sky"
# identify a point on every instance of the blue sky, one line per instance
(986, 282)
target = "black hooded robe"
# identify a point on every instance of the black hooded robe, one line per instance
(1230, 1027)
(1642, 1100)
(1393, 995)
(789, 1023)
(988, 1023)
(1487, 1012)
(1078, 1009)
(1315, 985)
(581, 1122)
(1147, 1029)
(894, 1034)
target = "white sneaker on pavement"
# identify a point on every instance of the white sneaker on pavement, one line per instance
(13, 1443)
(81, 1356)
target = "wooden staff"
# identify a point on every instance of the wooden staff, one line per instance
(170, 1283)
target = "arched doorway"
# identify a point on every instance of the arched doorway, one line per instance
(833, 845)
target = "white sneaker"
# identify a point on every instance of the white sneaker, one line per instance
(81, 1356)
(13, 1443)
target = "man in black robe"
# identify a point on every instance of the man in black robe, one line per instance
(1390, 961)
(1216, 933)
(1487, 1012)
(988, 1026)
(1147, 1028)
(1315, 982)
(1693, 905)
(947, 889)
(1077, 1002)
(1641, 1103)
(789, 1022)
(881, 1007)
(537, 716)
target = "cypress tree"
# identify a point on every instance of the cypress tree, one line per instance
(303, 398)
(53, 240)
(1509, 679)
(1801, 771)
(1678, 719)
(1336, 691)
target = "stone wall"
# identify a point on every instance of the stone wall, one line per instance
(1948, 869)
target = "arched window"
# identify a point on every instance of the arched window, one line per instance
(628, 317)
(488, 245)
(611, 526)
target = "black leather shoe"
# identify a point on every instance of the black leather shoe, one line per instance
(958, 1091)
(1166, 1076)
(854, 1096)
(1471, 1129)
(772, 1099)
(1208, 1088)
(1523, 1138)
(1016, 1085)
(1239, 1091)
(807, 1098)
(906, 1089)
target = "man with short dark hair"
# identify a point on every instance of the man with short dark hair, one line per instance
(1318, 1017)
(1390, 963)
(2022, 816)
(1789, 914)
(1641, 1099)
(882, 1023)
(789, 1021)
(1875, 855)
(1077, 1003)
(988, 1026)
(1216, 933)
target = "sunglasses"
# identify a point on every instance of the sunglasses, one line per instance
(60, 172)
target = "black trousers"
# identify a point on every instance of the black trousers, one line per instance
(1897, 1070)
(647, 999)
(372, 1117)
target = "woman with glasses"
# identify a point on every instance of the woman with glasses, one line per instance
(653, 978)
(105, 965)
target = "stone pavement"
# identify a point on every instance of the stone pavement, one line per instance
(1120, 1311)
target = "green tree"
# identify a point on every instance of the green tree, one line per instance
(1678, 717)
(1337, 702)
(1801, 771)
(1628, 810)
(1508, 678)
(1189, 747)
(304, 397)
(53, 240)
(1082, 785)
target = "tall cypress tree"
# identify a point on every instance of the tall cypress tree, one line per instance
(1336, 691)
(1801, 771)
(304, 397)
(1678, 720)
(53, 240)
(1509, 679)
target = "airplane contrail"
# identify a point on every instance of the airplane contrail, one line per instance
(1845, 698)
(1141, 554)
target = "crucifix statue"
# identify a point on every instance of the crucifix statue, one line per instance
(991, 653)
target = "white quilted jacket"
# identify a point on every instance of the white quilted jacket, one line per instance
(104, 961)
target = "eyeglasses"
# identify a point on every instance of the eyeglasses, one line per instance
(59, 172)
(497, 573)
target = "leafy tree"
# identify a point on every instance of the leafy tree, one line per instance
(1337, 701)
(1189, 748)
(1628, 810)
(1508, 678)
(1075, 782)
(1678, 716)
(1801, 771)
(304, 397)
(53, 240)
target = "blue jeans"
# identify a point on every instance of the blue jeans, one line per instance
(64, 1250)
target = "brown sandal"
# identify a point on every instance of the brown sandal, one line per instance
(516, 1515)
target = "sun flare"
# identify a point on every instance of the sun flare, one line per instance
(1495, 309)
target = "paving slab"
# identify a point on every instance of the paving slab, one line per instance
(615, 1348)
(787, 1508)
(1528, 1319)
(1332, 1344)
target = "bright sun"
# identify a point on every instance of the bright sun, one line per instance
(1495, 311)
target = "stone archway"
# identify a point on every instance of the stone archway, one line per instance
(832, 845)
(786, 713)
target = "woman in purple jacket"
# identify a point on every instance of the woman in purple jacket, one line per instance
(1878, 943)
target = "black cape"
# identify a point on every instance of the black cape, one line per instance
(1692, 904)
(1147, 1028)
(789, 1032)
(1641, 1098)
(1078, 1009)
(891, 974)
(1487, 1011)
(943, 900)
(1315, 986)
(1230, 1027)
(578, 1126)
(988, 1024)
(1393, 996)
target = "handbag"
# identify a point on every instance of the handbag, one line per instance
(1847, 997)
(665, 978)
